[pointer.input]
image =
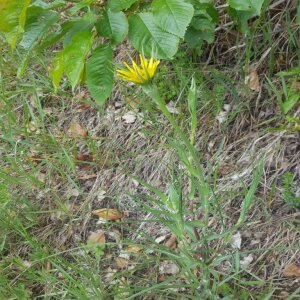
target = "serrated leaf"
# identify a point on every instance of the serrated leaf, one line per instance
(35, 30)
(53, 37)
(113, 25)
(118, 5)
(148, 38)
(12, 19)
(99, 73)
(247, 5)
(76, 26)
(47, 6)
(75, 54)
(172, 16)
(36, 27)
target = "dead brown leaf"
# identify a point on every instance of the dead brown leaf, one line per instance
(121, 263)
(87, 177)
(134, 249)
(168, 268)
(225, 169)
(77, 130)
(129, 117)
(171, 242)
(296, 86)
(84, 157)
(35, 156)
(47, 265)
(97, 237)
(252, 81)
(133, 103)
(48, 110)
(291, 270)
(109, 214)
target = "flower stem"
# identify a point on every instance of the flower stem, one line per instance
(204, 189)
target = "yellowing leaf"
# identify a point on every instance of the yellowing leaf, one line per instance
(134, 249)
(12, 19)
(108, 214)
(77, 130)
(133, 103)
(291, 270)
(252, 80)
(96, 237)
(121, 263)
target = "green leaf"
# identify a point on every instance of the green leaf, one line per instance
(36, 28)
(99, 71)
(194, 38)
(173, 200)
(241, 18)
(148, 38)
(113, 25)
(118, 5)
(248, 200)
(202, 28)
(57, 70)
(78, 6)
(247, 5)
(85, 23)
(287, 105)
(172, 16)
(12, 19)
(290, 72)
(192, 106)
(48, 6)
(75, 54)
(55, 36)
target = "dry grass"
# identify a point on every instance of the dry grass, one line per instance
(68, 189)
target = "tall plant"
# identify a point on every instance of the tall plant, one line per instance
(87, 32)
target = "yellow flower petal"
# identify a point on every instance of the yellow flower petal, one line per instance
(139, 74)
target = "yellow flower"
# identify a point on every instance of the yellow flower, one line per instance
(139, 74)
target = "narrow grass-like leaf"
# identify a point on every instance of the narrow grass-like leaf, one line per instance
(248, 200)
(192, 105)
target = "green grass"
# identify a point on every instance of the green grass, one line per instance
(179, 189)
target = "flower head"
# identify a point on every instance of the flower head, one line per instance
(139, 74)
